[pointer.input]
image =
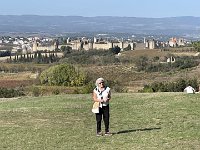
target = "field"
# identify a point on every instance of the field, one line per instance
(12, 80)
(139, 121)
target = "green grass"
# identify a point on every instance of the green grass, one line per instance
(139, 121)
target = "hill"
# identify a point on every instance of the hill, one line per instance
(55, 25)
(126, 74)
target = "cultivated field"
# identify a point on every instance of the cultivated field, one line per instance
(13, 80)
(139, 121)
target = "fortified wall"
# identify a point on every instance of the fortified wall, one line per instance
(98, 45)
(85, 45)
(37, 47)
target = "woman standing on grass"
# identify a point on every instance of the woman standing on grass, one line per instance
(102, 95)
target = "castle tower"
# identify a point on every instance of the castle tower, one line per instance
(147, 44)
(110, 44)
(90, 45)
(151, 44)
(122, 45)
(95, 39)
(35, 46)
(132, 45)
(68, 40)
(56, 45)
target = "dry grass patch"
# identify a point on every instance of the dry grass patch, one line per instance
(17, 76)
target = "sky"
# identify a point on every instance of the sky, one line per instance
(92, 8)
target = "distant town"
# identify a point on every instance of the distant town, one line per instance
(26, 45)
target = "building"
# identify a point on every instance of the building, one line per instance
(87, 44)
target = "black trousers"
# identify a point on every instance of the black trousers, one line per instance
(104, 111)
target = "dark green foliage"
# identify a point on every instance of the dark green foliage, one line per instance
(143, 63)
(35, 91)
(37, 57)
(147, 89)
(115, 50)
(87, 88)
(63, 75)
(177, 86)
(5, 53)
(127, 48)
(196, 45)
(156, 58)
(66, 49)
(56, 92)
(8, 93)
(120, 89)
(185, 62)
(94, 57)
(116, 86)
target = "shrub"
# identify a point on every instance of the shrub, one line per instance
(94, 57)
(63, 75)
(8, 93)
(115, 50)
(177, 86)
(35, 91)
(147, 89)
(56, 92)
(87, 88)
(143, 63)
(120, 89)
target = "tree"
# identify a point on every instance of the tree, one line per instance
(66, 49)
(63, 75)
(196, 45)
(141, 63)
(127, 48)
(116, 49)
(63, 48)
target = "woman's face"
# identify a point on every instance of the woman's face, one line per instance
(101, 84)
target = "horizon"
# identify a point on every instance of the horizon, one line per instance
(95, 16)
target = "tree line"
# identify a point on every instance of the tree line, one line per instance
(37, 57)
(176, 86)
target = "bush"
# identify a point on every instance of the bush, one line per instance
(35, 91)
(87, 88)
(120, 89)
(147, 89)
(9, 93)
(63, 75)
(56, 92)
(177, 86)
(94, 57)
(115, 50)
(143, 63)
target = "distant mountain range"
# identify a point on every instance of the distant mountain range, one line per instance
(76, 24)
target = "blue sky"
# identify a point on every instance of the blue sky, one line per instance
(90, 8)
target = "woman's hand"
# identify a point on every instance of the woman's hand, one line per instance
(106, 99)
(101, 100)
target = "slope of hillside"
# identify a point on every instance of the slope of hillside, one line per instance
(127, 75)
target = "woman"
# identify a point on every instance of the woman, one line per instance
(102, 95)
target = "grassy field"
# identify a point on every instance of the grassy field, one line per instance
(139, 121)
